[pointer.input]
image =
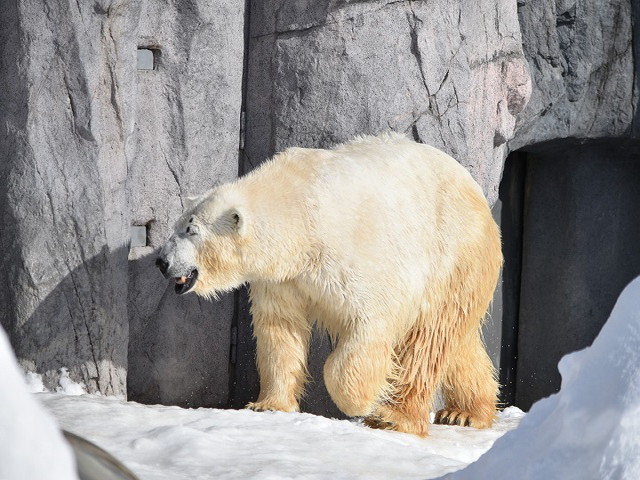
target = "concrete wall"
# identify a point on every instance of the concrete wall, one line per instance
(187, 133)
(90, 146)
(581, 231)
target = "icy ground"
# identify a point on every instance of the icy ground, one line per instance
(589, 430)
(170, 443)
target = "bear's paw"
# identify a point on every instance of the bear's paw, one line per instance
(272, 406)
(462, 418)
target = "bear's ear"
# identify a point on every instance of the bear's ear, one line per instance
(238, 220)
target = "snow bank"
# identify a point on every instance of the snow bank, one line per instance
(68, 386)
(591, 428)
(31, 445)
(171, 443)
(34, 382)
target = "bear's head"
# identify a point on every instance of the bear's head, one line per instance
(203, 254)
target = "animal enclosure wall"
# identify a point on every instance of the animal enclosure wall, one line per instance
(571, 229)
(112, 112)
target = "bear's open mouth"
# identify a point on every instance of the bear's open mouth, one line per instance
(184, 284)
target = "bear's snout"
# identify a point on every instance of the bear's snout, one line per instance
(162, 265)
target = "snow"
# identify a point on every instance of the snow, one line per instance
(162, 443)
(591, 428)
(32, 447)
(34, 383)
(588, 430)
(68, 386)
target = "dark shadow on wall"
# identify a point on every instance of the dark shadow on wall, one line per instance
(180, 345)
(571, 246)
(81, 324)
(113, 334)
(113, 320)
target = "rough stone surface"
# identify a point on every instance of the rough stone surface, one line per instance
(451, 74)
(89, 147)
(581, 59)
(65, 129)
(186, 140)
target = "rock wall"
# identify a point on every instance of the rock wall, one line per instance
(451, 74)
(187, 125)
(581, 59)
(90, 146)
(66, 130)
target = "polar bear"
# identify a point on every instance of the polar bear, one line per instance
(387, 244)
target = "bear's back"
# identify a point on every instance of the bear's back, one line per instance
(383, 215)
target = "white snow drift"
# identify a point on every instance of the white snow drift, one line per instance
(31, 446)
(591, 428)
(171, 443)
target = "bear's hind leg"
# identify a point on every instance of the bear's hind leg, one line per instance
(469, 386)
(419, 357)
(357, 373)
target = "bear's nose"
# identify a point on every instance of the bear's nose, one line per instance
(162, 265)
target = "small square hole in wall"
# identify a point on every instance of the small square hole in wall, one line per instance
(147, 58)
(138, 236)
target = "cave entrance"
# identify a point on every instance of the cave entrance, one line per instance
(570, 218)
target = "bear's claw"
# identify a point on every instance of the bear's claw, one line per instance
(378, 423)
(458, 417)
(266, 406)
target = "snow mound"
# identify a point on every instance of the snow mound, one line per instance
(590, 429)
(68, 386)
(32, 446)
(34, 383)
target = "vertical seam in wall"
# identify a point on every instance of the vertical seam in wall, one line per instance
(245, 75)
(635, 52)
(241, 170)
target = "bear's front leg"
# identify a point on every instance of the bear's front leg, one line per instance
(282, 334)
(357, 373)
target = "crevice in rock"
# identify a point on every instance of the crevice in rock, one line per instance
(414, 48)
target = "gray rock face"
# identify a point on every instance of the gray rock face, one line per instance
(65, 127)
(582, 63)
(187, 124)
(91, 146)
(451, 74)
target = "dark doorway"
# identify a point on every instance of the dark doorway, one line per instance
(571, 234)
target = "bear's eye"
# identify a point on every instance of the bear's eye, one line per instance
(190, 230)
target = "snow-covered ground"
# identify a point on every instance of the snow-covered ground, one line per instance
(590, 430)
(170, 443)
